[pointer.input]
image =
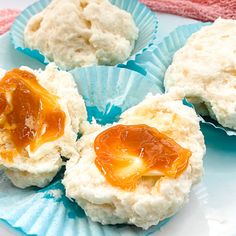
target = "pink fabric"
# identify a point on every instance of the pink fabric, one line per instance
(204, 10)
(6, 18)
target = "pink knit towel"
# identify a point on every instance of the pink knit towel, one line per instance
(6, 18)
(204, 10)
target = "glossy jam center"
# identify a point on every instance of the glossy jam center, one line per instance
(126, 153)
(28, 112)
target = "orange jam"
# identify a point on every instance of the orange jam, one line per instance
(3, 102)
(126, 153)
(28, 112)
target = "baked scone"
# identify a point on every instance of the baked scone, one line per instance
(116, 186)
(204, 70)
(77, 33)
(40, 116)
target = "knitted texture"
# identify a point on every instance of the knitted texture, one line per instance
(204, 10)
(6, 18)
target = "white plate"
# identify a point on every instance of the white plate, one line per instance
(211, 210)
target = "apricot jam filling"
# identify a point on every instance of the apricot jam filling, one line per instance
(28, 112)
(126, 153)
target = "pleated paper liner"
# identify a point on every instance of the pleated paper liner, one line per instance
(144, 18)
(154, 63)
(107, 91)
(47, 212)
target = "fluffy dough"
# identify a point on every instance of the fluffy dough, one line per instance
(39, 168)
(77, 33)
(155, 198)
(205, 70)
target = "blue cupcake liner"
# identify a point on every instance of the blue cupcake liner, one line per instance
(144, 18)
(154, 62)
(47, 212)
(107, 91)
